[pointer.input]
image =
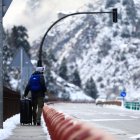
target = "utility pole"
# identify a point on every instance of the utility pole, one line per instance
(21, 71)
(1, 68)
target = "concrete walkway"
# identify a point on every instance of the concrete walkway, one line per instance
(28, 132)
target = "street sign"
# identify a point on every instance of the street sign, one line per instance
(5, 6)
(123, 94)
(21, 57)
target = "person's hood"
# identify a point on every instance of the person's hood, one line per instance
(40, 69)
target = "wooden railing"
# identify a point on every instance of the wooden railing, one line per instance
(11, 100)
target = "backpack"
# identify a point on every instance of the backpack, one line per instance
(35, 84)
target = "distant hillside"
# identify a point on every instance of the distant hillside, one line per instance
(106, 51)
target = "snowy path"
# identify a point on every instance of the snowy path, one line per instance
(13, 131)
(28, 132)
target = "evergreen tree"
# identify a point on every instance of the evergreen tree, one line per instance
(15, 38)
(7, 57)
(49, 77)
(91, 89)
(18, 37)
(6, 68)
(76, 78)
(48, 58)
(63, 70)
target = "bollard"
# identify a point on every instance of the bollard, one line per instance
(80, 135)
(54, 124)
(61, 127)
(69, 131)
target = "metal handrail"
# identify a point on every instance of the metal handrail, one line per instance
(132, 105)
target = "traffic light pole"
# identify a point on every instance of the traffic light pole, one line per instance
(1, 68)
(114, 17)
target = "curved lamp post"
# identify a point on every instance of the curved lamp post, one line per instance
(114, 17)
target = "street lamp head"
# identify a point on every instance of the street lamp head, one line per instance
(115, 15)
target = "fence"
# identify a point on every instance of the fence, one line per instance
(11, 104)
(132, 105)
(118, 103)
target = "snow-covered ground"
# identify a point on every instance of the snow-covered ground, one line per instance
(8, 126)
(11, 124)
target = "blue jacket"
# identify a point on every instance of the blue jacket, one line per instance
(36, 94)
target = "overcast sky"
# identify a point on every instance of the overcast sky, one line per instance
(38, 15)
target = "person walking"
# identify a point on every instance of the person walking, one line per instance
(36, 85)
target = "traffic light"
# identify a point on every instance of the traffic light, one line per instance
(115, 15)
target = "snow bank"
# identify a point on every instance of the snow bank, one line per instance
(8, 126)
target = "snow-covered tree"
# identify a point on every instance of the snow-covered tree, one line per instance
(63, 70)
(91, 89)
(48, 58)
(14, 38)
(76, 80)
(18, 37)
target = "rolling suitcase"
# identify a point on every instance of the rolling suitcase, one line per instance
(25, 111)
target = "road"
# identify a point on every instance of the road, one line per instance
(123, 124)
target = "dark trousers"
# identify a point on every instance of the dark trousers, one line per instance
(37, 105)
